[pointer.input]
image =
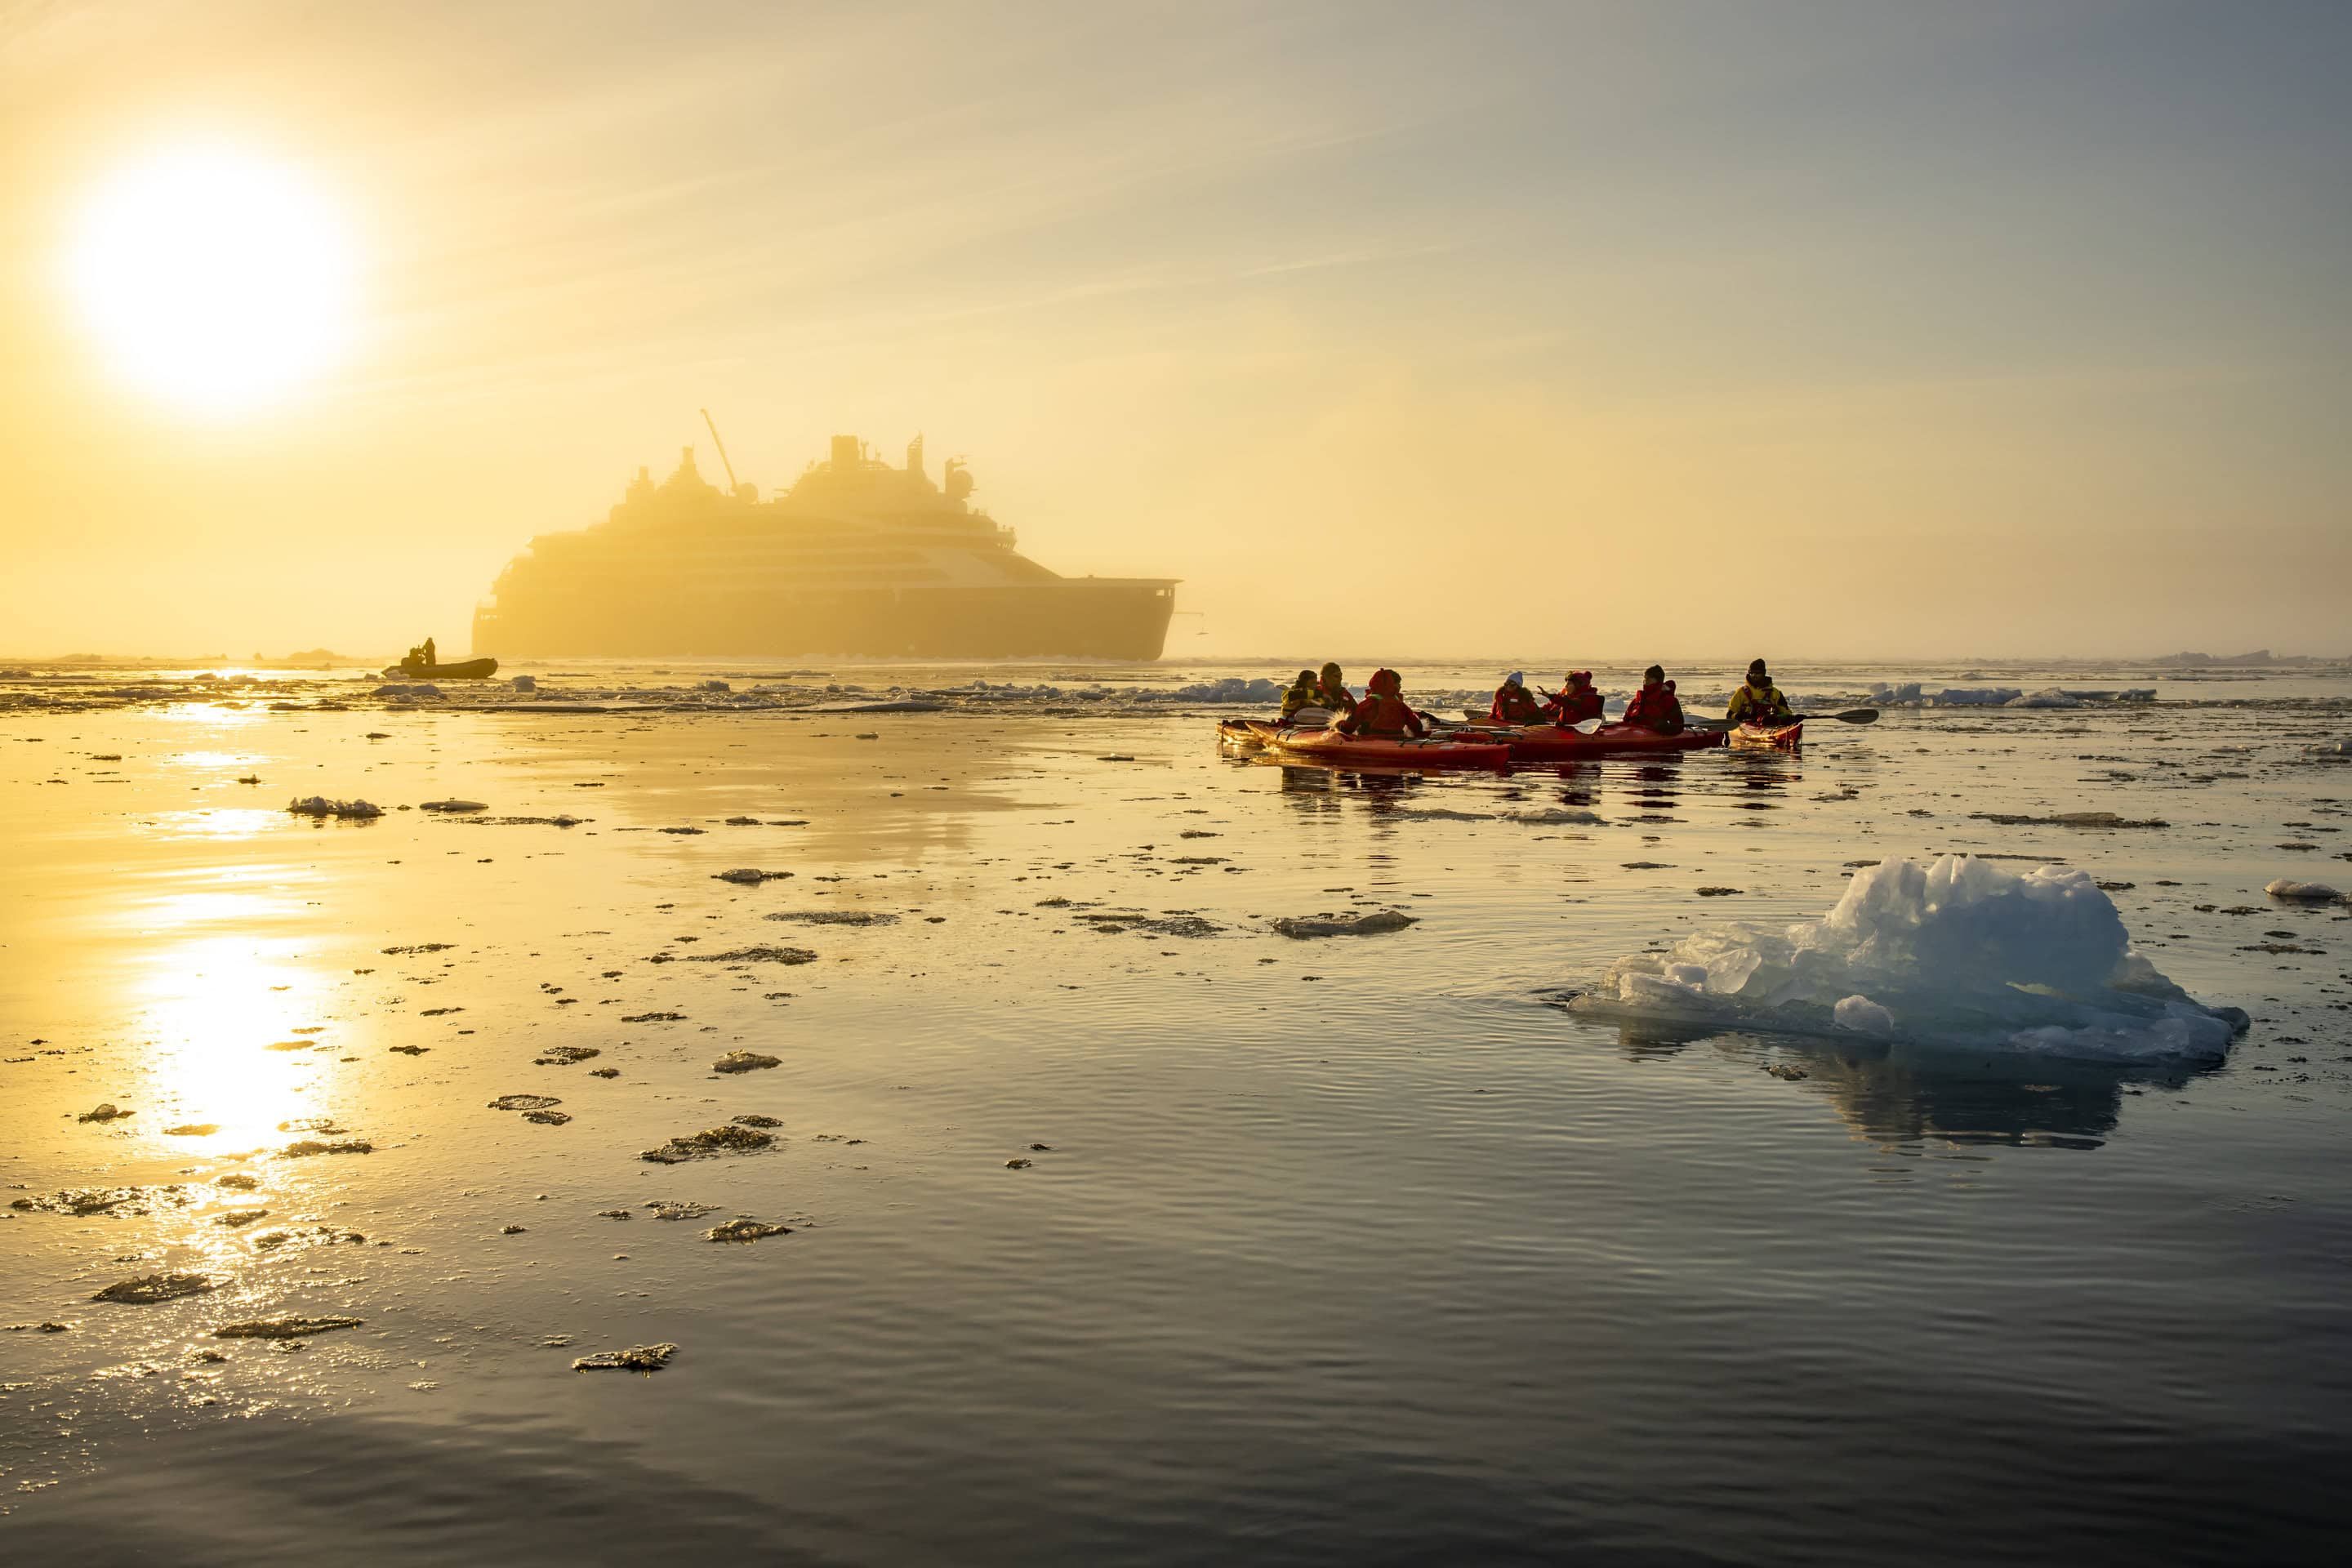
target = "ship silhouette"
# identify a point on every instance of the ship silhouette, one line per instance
(857, 558)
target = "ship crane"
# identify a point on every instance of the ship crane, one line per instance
(731, 486)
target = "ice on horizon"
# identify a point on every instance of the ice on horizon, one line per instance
(1956, 953)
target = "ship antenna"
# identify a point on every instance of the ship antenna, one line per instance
(731, 486)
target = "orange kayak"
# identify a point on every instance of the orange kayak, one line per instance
(1768, 737)
(1549, 742)
(1330, 748)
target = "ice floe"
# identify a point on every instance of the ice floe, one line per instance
(1958, 952)
(1376, 923)
(320, 807)
(2307, 892)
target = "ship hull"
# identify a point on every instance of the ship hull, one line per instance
(1124, 619)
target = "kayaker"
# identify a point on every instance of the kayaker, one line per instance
(1655, 706)
(1759, 701)
(1514, 704)
(1383, 713)
(1333, 690)
(1575, 702)
(1304, 693)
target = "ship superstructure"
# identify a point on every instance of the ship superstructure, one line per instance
(857, 558)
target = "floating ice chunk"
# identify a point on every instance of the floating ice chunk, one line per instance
(2051, 698)
(1895, 695)
(1555, 817)
(1958, 952)
(1378, 921)
(525, 683)
(1231, 688)
(2313, 892)
(1976, 696)
(320, 805)
(452, 806)
(635, 1358)
(2330, 749)
(2104, 694)
(1863, 1015)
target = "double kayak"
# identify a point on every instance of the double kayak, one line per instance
(1330, 748)
(1549, 742)
(1768, 737)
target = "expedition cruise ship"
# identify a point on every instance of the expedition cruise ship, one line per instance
(858, 558)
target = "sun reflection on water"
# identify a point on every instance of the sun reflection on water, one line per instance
(225, 822)
(214, 1009)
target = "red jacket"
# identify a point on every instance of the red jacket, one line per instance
(1514, 705)
(1575, 704)
(1383, 711)
(1656, 708)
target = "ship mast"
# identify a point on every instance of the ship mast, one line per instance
(731, 486)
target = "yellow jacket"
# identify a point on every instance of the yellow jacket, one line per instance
(1299, 696)
(1749, 706)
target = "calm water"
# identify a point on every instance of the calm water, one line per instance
(1342, 1251)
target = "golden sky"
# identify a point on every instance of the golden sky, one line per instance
(1592, 331)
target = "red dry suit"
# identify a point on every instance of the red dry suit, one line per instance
(1578, 700)
(1515, 705)
(1656, 708)
(1384, 710)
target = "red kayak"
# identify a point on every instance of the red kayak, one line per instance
(1768, 737)
(1549, 742)
(1330, 748)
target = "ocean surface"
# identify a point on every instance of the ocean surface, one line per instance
(1122, 1227)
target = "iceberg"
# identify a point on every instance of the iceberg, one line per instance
(1956, 953)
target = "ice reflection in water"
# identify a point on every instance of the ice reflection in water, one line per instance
(1899, 1097)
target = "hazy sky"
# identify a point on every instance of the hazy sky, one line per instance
(1597, 330)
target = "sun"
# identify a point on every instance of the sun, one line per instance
(213, 279)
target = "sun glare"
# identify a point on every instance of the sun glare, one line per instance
(215, 280)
